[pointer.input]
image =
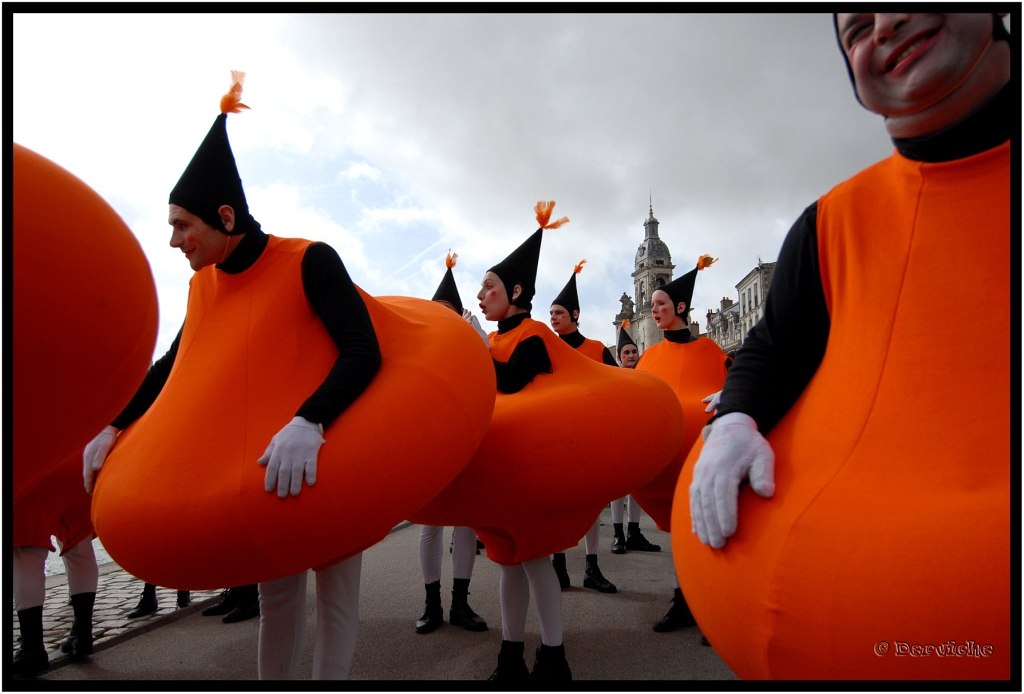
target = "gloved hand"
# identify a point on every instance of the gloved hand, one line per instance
(733, 449)
(714, 399)
(471, 319)
(291, 452)
(96, 451)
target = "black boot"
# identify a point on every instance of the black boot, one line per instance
(592, 577)
(184, 598)
(147, 603)
(558, 561)
(550, 665)
(247, 607)
(678, 615)
(636, 542)
(461, 614)
(433, 614)
(31, 657)
(228, 601)
(619, 541)
(78, 643)
(511, 663)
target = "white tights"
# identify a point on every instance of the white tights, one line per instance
(432, 551)
(282, 636)
(634, 510)
(517, 582)
(590, 539)
(30, 573)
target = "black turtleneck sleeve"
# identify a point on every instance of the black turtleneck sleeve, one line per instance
(529, 358)
(336, 300)
(784, 349)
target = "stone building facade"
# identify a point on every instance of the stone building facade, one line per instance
(729, 325)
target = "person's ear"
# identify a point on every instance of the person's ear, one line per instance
(680, 307)
(227, 217)
(516, 291)
(575, 315)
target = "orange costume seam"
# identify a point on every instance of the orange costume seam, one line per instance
(891, 518)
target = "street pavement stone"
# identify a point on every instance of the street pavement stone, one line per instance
(117, 594)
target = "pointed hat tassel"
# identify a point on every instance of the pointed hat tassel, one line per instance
(543, 210)
(625, 323)
(579, 267)
(232, 101)
(449, 260)
(705, 261)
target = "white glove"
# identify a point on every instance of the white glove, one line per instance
(733, 449)
(714, 399)
(96, 451)
(291, 452)
(471, 319)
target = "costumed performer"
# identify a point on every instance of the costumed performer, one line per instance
(633, 540)
(565, 316)
(519, 355)
(56, 506)
(885, 446)
(693, 367)
(463, 538)
(212, 226)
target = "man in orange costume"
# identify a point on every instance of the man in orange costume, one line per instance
(885, 550)
(565, 316)
(213, 228)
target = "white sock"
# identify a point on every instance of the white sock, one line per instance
(431, 551)
(590, 539)
(282, 627)
(617, 510)
(463, 552)
(514, 593)
(80, 564)
(634, 510)
(547, 595)
(337, 619)
(29, 577)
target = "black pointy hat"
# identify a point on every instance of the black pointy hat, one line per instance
(568, 298)
(520, 266)
(624, 338)
(211, 179)
(447, 291)
(681, 288)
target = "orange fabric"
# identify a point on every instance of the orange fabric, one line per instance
(551, 459)
(592, 349)
(85, 316)
(891, 517)
(181, 502)
(694, 370)
(57, 505)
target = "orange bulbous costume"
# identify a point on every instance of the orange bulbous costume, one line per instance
(85, 316)
(252, 349)
(58, 505)
(549, 463)
(890, 524)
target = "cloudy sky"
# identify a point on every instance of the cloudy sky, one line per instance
(395, 137)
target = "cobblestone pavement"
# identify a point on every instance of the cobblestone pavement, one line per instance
(117, 595)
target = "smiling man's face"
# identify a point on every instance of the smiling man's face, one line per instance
(905, 63)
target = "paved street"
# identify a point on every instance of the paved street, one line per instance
(607, 637)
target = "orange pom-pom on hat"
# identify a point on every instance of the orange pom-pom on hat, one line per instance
(232, 101)
(544, 210)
